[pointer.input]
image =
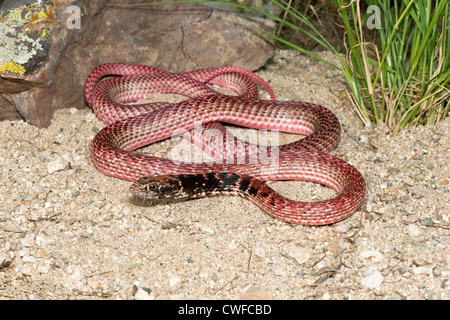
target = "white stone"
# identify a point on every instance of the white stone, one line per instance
(26, 269)
(413, 230)
(141, 294)
(373, 280)
(28, 241)
(326, 296)
(302, 255)
(260, 252)
(363, 139)
(423, 270)
(56, 165)
(174, 281)
(29, 259)
(43, 269)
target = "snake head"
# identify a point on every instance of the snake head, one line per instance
(158, 187)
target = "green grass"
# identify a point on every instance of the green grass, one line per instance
(402, 82)
(407, 82)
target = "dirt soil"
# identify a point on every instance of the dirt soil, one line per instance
(69, 232)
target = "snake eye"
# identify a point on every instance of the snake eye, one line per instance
(151, 187)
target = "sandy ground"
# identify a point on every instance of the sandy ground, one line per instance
(69, 232)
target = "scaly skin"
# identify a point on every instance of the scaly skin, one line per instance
(138, 126)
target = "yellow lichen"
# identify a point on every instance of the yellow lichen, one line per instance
(20, 16)
(13, 67)
(42, 14)
(38, 17)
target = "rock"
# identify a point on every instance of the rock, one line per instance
(373, 280)
(255, 293)
(93, 284)
(7, 109)
(326, 296)
(141, 294)
(223, 49)
(29, 259)
(413, 230)
(260, 252)
(5, 260)
(363, 139)
(428, 222)
(412, 218)
(56, 165)
(25, 66)
(28, 241)
(26, 269)
(437, 271)
(49, 49)
(423, 270)
(173, 281)
(302, 255)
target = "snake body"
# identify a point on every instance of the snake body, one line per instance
(130, 127)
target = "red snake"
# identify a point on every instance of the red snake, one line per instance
(130, 127)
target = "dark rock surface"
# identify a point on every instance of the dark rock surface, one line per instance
(49, 48)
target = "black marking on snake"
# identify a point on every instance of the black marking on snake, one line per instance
(228, 180)
(253, 191)
(263, 194)
(244, 185)
(211, 181)
(191, 182)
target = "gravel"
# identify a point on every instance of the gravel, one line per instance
(69, 232)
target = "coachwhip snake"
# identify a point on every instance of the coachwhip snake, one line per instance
(130, 127)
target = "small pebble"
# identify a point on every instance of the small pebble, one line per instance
(413, 230)
(141, 294)
(412, 218)
(174, 281)
(55, 255)
(427, 222)
(5, 260)
(260, 252)
(373, 280)
(56, 165)
(422, 270)
(363, 139)
(302, 255)
(28, 241)
(93, 284)
(326, 296)
(29, 259)
(255, 293)
(26, 269)
(437, 271)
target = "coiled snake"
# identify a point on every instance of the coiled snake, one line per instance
(130, 127)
